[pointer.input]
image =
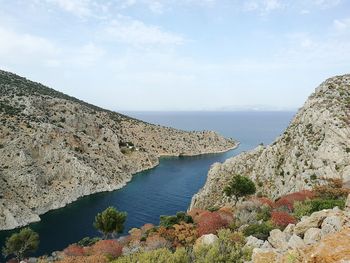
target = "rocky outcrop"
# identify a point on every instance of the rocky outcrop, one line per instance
(315, 145)
(327, 242)
(55, 149)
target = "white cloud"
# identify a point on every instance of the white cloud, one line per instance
(135, 32)
(263, 6)
(25, 46)
(324, 4)
(156, 7)
(342, 24)
(79, 8)
(86, 55)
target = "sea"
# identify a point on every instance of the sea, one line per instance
(165, 189)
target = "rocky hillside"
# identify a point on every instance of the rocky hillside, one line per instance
(315, 145)
(55, 148)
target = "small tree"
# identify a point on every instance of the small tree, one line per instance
(22, 243)
(110, 221)
(240, 186)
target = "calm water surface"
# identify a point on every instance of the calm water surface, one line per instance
(165, 189)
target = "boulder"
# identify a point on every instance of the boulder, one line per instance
(263, 255)
(347, 204)
(295, 242)
(266, 245)
(206, 240)
(278, 239)
(254, 242)
(289, 230)
(313, 221)
(331, 224)
(312, 235)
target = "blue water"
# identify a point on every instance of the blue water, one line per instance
(165, 189)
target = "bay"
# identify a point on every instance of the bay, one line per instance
(164, 190)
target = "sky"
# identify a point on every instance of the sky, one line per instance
(178, 54)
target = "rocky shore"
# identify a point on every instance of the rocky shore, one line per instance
(55, 148)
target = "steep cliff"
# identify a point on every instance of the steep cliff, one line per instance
(315, 145)
(55, 148)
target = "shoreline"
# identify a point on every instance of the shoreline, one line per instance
(112, 188)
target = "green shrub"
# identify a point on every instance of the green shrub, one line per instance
(110, 221)
(308, 207)
(88, 241)
(22, 243)
(302, 209)
(260, 231)
(228, 248)
(169, 221)
(240, 186)
(264, 214)
(161, 255)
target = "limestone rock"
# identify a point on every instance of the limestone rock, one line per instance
(312, 235)
(261, 255)
(347, 204)
(313, 221)
(278, 239)
(332, 248)
(331, 224)
(266, 244)
(295, 242)
(254, 242)
(55, 148)
(315, 145)
(289, 230)
(209, 239)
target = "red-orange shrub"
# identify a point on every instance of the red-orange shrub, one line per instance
(74, 251)
(155, 241)
(195, 213)
(110, 248)
(282, 219)
(86, 259)
(266, 201)
(210, 223)
(289, 200)
(184, 234)
(226, 214)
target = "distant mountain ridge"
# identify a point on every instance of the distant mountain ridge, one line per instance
(316, 145)
(55, 148)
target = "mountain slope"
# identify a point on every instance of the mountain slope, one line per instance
(316, 144)
(55, 148)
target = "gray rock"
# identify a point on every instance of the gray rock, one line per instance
(295, 242)
(347, 204)
(278, 239)
(331, 224)
(266, 244)
(209, 239)
(289, 231)
(313, 221)
(312, 235)
(254, 242)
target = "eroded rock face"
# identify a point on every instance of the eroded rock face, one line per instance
(55, 149)
(315, 145)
